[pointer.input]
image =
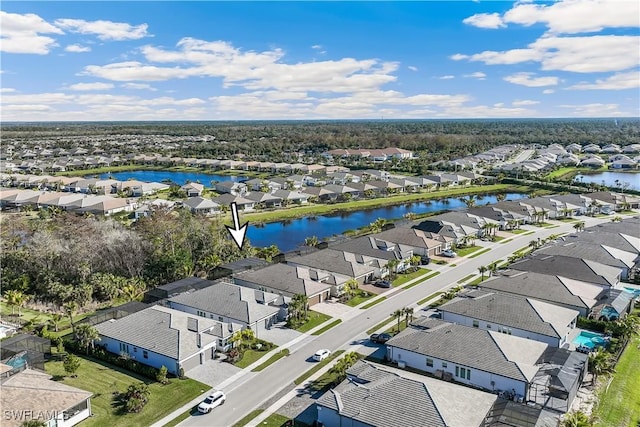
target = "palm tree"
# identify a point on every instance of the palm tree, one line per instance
(376, 226)
(341, 366)
(56, 319)
(15, 299)
(311, 241)
(470, 200)
(482, 269)
(408, 315)
(398, 315)
(600, 362)
(500, 197)
(576, 419)
(392, 265)
(70, 308)
(351, 287)
(86, 335)
(492, 268)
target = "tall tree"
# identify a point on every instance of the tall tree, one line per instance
(398, 315)
(86, 335)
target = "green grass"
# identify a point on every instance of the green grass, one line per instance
(435, 273)
(274, 420)
(251, 415)
(506, 241)
(103, 380)
(546, 225)
(476, 281)
(250, 356)
(480, 253)
(464, 279)
(404, 278)
(302, 378)
(180, 418)
(327, 327)
(567, 173)
(372, 303)
(619, 406)
(517, 231)
(430, 297)
(468, 250)
(528, 232)
(360, 298)
(323, 209)
(378, 326)
(314, 319)
(279, 355)
(498, 238)
(394, 328)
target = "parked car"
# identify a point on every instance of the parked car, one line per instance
(425, 260)
(380, 338)
(449, 253)
(383, 283)
(215, 399)
(320, 355)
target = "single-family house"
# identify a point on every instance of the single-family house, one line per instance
(374, 247)
(511, 314)
(193, 189)
(201, 206)
(242, 203)
(225, 302)
(288, 281)
(159, 336)
(377, 395)
(417, 240)
(529, 370)
(292, 197)
(231, 187)
(264, 200)
(32, 395)
(361, 268)
(571, 268)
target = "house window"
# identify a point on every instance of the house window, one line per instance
(444, 364)
(145, 354)
(429, 362)
(135, 349)
(488, 325)
(476, 323)
(469, 374)
(201, 313)
(220, 318)
(457, 371)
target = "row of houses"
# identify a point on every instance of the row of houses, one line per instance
(511, 338)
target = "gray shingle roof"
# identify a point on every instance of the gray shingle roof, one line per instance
(368, 246)
(512, 310)
(603, 236)
(459, 344)
(160, 330)
(545, 287)
(285, 278)
(572, 268)
(334, 261)
(234, 302)
(584, 250)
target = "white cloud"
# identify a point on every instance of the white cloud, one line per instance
(619, 81)
(477, 75)
(527, 79)
(548, 91)
(317, 47)
(412, 68)
(91, 86)
(596, 110)
(447, 77)
(76, 48)
(7, 90)
(458, 57)
(485, 20)
(139, 86)
(577, 16)
(22, 34)
(105, 30)
(524, 102)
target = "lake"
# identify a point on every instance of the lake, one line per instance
(179, 178)
(609, 179)
(287, 235)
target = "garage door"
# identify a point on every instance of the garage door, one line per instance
(191, 362)
(314, 300)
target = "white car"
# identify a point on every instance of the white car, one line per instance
(215, 399)
(449, 253)
(321, 355)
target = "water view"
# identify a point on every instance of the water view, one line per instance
(609, 179)
(288, 235)
(179, 178)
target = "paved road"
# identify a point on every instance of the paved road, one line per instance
(252, 391)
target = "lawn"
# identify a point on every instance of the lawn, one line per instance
(28, 315)
(464, 279)
(429, 298)
(467, 250)
(429, 276)
(250, 356)
(506, 241)
(360, 298)
(314, 319)
(372, 303)
(394, 328)
(517, 231)
(103, 380)
(251, 415)
(404, 278)
(327, 327)
(279, 355)
(480, 253)
(619, 405)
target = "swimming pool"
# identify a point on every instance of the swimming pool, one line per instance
(634, 291)
(589, 339)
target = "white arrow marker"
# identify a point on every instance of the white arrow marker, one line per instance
(236, 231)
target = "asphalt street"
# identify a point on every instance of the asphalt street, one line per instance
(251, 391)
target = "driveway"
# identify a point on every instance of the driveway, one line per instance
(279, 334)
(212, 372)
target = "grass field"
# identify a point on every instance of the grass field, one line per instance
(404, 278)
(619, 405)
(468, 250)
(302, 378)
(327, 327)
(279, 355)
(314, 320)
(251, 415)
(427, 277)
(372, 303)
(250, 356)
(103, 380)
(429, 298)
(360, 298)
(479, 253)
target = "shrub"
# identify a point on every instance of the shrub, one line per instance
(591, 324)
(161, 376)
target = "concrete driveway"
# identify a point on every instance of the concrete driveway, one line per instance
(334, 309)
(279, 334)
(213, 372)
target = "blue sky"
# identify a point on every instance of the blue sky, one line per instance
(318, 60)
